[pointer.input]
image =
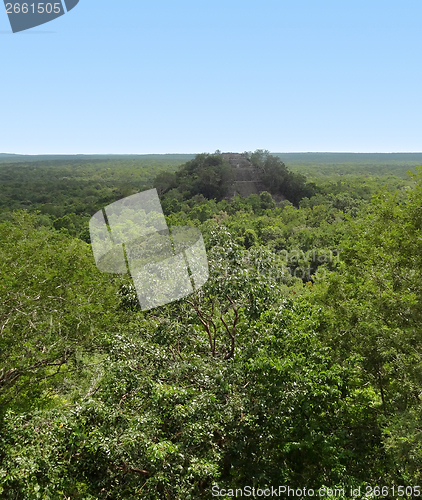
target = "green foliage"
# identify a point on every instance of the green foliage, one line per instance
(169, 420)
(207, 175)
(278, 179)
(298, 362)
(372, 306)
(54, 305)
(76, 186)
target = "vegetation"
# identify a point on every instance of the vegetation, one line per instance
(67, 191)
(278, 179)
(298, 363)
(206, 175)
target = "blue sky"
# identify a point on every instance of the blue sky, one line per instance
(194, 76)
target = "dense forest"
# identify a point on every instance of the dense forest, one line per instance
(298, 364)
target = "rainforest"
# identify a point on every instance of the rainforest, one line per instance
(298, 364)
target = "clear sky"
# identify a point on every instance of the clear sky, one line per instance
(161, 76)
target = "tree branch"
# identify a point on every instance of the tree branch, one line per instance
(231, 332)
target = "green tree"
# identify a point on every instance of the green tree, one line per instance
(206, 174)
(54, 307)
(372, 306)
(219, 388)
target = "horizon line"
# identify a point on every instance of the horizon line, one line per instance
(163, 154)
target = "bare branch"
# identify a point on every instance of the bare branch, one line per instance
(126, 469)
(231, 331)
(206, 321)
